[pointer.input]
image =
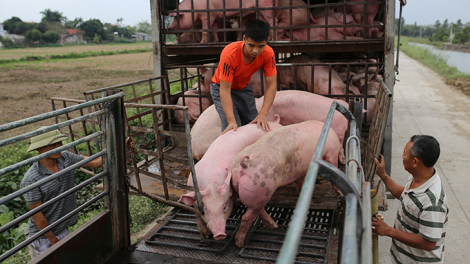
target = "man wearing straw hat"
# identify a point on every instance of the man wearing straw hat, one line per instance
(44, 193)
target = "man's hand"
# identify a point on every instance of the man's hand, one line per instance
(232, 125)
(130, 143)
(380, 166)
(262, 121)
(53, 240)
(380, 227)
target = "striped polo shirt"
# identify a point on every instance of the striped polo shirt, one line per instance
(51, 190)
(423, 211)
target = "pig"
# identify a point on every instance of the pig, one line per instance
(213, 178)
(276, 159)
(334, 33)
(189, 37)
(192, 103)
(292, 106)
(358, 15)
(205, 130)
(304, 77)
(300, 16)
(201, 18)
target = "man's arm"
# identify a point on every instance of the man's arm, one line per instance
(270, 93)
(412, 240)
(41, 223)
(394, 188)
(227, 105)
(98, 162)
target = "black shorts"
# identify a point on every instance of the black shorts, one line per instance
(244, 106)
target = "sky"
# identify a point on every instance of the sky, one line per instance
(424, 12)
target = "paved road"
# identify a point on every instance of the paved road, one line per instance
(424, 104)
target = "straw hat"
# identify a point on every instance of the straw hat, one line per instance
(46, 139)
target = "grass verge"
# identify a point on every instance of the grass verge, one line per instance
(435, 62)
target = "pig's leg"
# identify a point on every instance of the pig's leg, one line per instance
(267, 220)
(247, 219)
(204, 26)
(201, 225)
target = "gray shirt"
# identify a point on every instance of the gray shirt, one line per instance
(51, 190)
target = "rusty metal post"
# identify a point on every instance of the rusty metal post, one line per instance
(156, 45)
(115, 164)
(389, 78)
(160, 151)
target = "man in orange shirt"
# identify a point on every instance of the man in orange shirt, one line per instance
(231, 92)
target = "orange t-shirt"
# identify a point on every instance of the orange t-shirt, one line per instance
(233, 68)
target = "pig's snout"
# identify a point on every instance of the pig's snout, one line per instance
(220, 236)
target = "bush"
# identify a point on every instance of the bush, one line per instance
(461, 38)
(13, 236)
(8, 43)
(50, 36)
(33, 35)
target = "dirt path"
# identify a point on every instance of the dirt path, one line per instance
(424, 104)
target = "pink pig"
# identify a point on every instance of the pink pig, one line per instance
(186, 22)
(278, 158)
(304, 77)
(358, 14)
(214, 180)
(192, 103)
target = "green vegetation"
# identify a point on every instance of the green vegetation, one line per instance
(74, 55)
(439, 32)
(435, 62)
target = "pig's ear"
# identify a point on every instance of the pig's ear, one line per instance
(243, 161)
(228, 178)
(188, 198)
(202, 70)
(277, 118)
(312, 19)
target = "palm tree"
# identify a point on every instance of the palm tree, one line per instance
(52, 16)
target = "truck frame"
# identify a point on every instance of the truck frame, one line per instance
(315, 226)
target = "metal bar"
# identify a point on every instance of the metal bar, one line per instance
(93, 126)
(53, 109)
(366, 241)
(49, 128)
(49, 153)
(157, 106)
(122, 85)
(349, 253)
(160, 153)
(67, 117)
(398, 43)
(69, 109)
(191, 162)
(133, 159)
(78, 101)
(11, 196)
(50, 227)
(55, 199)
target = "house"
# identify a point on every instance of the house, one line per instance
(72, 36)
(140, 36)
(2, 30)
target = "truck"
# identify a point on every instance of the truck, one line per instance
(315, 226)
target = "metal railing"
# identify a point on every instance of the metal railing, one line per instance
(236, 13)
(110, 107)
(357, 224)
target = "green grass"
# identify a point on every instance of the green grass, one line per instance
(73, 55)
(422, 41)
(435, 62)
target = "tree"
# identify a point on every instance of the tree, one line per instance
(441, 35)
(144, 26)
(50, 36)
(8, 24)
(445, 25)
(93, 27)
(52, 16)
(437, 25)
(73, 23)
(33, 35)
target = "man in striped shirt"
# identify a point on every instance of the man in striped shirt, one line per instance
(420, 228)
(49, 190)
